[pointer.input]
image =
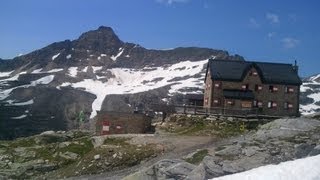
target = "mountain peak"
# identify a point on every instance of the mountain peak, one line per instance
(101, 39)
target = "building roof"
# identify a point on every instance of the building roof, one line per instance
(238, 94)
(270, 73)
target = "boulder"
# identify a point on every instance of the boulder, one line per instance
(315, 151)
(286, 128)
(302, 150)
(229, 151)
(211, 166)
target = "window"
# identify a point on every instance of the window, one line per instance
(273, 88)
(288, 89)
(206, 101)
(288, 105)
(216, 102)
(230, 102)
(253, 73)
(272, 104)
(257, 103)
(258, 87)
(245, 86)
(217, 84)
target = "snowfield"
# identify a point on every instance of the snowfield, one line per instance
(301, 169)
(129, 81)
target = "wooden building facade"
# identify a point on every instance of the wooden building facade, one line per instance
(271, 88)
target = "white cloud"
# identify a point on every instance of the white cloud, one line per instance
(273, 18)
(289, 42)
(253, 23)
(169, 2)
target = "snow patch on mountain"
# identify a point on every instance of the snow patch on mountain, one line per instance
(44, 80)
(55, 56)
(96, 68)
(128, 81)
(310, 91)
(21, 103)
(36, 71)
(85, 69)
(68, 56)
(20, 117)
(114, 58)
(5, 74)
(54, 70)
(73, 71)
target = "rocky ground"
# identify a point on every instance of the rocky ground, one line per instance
(53, 155)
(280, 140)
(183, 147)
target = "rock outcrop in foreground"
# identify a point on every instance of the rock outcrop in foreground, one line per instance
(278, 141)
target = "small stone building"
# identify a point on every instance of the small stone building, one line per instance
(271, 88)
(121, 123)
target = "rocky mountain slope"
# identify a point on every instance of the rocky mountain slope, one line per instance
(310, 95)
(48, 88)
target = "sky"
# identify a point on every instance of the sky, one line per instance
(274, 30)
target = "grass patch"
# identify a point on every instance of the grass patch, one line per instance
(116, 141)
(197, 157)
(22, 142)
(82, 146)
(199, 126)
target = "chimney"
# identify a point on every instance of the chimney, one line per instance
(295, 66)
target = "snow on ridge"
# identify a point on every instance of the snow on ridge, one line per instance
(44, 80)
(5, 74)
(306, 169)
(39, 71)
(68, 56)
(128, 81)
(55, 56)
(54, 70)
(19, 117)
(73, 71)
(96, 68)
(313, 78)
(114, 58)
(21, 103)
(85, 69)
(315, 95)
(36, 71)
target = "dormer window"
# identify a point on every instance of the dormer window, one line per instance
(254, 73)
